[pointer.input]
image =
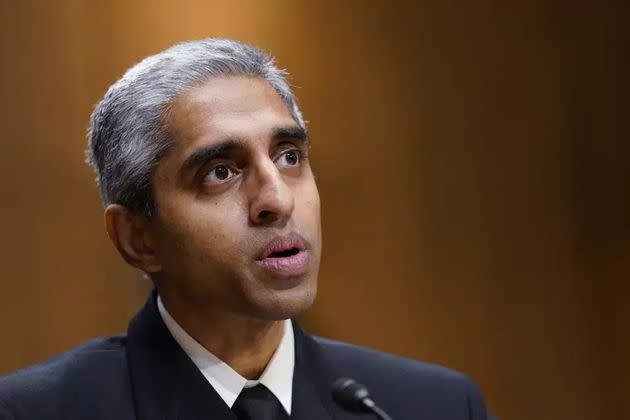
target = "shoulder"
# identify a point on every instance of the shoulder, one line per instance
(402, 382)
(66, 380)
(361, 359)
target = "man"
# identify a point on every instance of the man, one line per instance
(202, 161)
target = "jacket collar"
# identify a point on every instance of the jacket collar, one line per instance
(167, 385)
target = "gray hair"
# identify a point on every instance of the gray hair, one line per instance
(127, 135)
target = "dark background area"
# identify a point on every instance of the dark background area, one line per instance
(472, 158)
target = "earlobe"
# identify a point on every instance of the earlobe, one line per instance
(131, 236)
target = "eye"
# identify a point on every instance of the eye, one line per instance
(219, 174)
(289, 159)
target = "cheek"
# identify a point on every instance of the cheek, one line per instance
(310, 198)
(200, 233)
(307, 210)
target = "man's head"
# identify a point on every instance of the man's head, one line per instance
(202, 160)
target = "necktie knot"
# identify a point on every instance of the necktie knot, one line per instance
(258, 403)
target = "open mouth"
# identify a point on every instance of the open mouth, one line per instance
(285, 253)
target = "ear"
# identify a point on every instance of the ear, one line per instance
(131, 235)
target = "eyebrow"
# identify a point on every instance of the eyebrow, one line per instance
(289, 133)
(219, 150)
(205, 154)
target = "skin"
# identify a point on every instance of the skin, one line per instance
(214, 218)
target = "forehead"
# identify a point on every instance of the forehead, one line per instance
(242, 107)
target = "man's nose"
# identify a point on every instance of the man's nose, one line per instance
(271, 198)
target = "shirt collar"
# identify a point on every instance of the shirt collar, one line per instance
(277, 376)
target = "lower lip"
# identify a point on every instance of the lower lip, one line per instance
(288, 266)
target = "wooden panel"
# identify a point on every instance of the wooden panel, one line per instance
(472, 162)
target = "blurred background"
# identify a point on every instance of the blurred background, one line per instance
(472, 158)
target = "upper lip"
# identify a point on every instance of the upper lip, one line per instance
(283, 243)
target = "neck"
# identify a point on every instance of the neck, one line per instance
(245, 344)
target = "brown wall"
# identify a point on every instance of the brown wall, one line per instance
(472, 160)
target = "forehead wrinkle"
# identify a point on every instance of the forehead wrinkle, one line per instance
(211, 112)
(231, 95)
(242, 127)
(236, 93)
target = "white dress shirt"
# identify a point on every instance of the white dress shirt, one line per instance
(277, 376)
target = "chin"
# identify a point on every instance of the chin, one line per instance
(284, 304)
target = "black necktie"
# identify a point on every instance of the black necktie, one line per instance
(258, 403)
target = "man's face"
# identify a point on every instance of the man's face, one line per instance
(238, 224)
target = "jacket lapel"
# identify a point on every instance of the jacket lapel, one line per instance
(166, 384)
(312, 382)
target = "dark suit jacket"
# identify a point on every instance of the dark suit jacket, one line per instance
(145, 375)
